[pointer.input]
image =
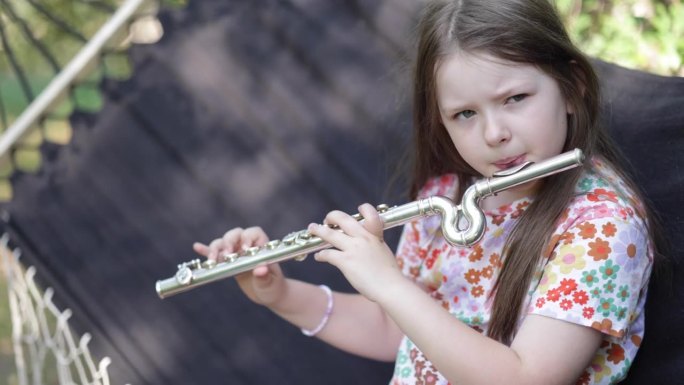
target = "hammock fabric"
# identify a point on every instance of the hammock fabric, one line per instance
(268, 113)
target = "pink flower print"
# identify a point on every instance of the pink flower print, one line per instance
(600, 368)
(547, 280)
(602, 211)
(474, 306)
(462, 252)
(595, 211)
(570, 258)
(452, 270)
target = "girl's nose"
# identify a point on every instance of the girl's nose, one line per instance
(496, 132)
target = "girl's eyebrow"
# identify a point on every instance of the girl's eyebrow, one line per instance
(512, 86)
(454, 105)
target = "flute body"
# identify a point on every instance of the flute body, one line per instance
(299, 244)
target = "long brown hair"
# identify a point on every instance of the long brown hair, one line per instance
(522, 31)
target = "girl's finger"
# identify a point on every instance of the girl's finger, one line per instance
(201, 249)
(335, 238)
(345, 222)
(371, 220)
(214, 249)
(253, 236)
(231, 240)
(330, 256)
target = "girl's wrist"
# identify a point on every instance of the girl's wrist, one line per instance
(326, 315)
(391, 290)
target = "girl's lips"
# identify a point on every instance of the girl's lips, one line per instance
(509, 162)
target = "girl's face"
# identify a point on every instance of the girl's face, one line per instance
(500, 114)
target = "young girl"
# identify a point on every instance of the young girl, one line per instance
(554, 293)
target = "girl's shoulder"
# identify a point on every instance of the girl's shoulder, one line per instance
(445, 185)
(601, 182)
(601, 192)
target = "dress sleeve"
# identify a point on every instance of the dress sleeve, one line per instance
(598, 270)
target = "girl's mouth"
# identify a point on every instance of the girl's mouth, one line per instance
(506, 163)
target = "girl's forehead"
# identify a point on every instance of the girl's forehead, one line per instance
(473, 74)
(485, 64)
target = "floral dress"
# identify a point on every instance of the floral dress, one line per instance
(595, 273)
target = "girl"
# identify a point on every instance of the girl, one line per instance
(555, 292)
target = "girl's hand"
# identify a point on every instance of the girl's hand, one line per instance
(265, 284)
(360, 252)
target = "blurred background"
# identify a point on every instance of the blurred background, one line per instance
(39, 38)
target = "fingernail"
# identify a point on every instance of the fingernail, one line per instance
(312, 226)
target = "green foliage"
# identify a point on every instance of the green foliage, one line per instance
(640, 34)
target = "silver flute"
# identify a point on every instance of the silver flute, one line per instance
(299, 244)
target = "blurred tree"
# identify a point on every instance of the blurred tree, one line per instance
(640, 34)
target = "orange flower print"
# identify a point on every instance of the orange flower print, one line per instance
(599, 249)
(476, 255)
(495, 260)
(584, 379)
(477, 291)
(587, 230)
(567, 238)
(551, 245)
(540, 302)
(498, 219)
(516, 214)
(414, 271)
(636, 340)
(605, 326)
(588, 312)
(472, 276)
(601, 195)
(487, 272)
(519, 208)
(609, 229)
(430, 378)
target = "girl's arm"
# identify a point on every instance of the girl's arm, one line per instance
(356, 325)
(545, 350)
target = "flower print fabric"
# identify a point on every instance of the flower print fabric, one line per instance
(595, 272)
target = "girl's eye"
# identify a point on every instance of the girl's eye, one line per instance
(465, 114)
(517, 98)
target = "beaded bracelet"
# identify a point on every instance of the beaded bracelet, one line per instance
(326, 316)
